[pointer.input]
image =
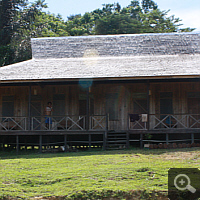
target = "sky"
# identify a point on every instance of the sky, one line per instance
(187, 10)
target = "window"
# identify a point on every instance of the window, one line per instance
(8, 106)
(166, 103)
(140, 103)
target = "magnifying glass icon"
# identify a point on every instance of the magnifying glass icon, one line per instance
(182, 182)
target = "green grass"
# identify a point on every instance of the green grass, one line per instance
(96, 172)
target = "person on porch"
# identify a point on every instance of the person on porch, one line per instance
(48, 112)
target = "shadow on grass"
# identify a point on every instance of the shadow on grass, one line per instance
(30, 154)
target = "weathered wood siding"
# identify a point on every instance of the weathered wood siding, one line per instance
(125, 93)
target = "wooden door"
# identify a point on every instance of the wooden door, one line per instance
(166, 108)
(58, 116)
(36, 113)
(83, 109)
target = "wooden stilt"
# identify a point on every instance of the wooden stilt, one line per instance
(167, 138)
(17, 144)
(40, 143)
(192, 138)
(90, 141)
(141, 140)
(65, 142)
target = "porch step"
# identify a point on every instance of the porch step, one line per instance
(116, 140)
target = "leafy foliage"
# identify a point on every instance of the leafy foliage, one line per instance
(21, 20)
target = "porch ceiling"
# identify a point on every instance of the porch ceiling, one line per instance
(129, 67)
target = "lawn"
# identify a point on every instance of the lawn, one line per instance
(91, 174)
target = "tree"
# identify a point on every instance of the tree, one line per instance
(20, 21)
(8, 10)
(135, 18)
(148, 5)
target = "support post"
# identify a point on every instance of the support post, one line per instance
(167, 138)
(141, 140)
(29, 108)
(148, 103)
(40, 143)
(17, 144)
(65, 142)
(3, 143)
(104, 140)
(192, 137)
(105, 135)
(87, 109)
(90, 141)
(127, 140)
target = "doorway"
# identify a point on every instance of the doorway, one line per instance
(83, 108)
(166, 107)
(36, 113)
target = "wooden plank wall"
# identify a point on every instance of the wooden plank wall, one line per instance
(125, 93)
(179, 90)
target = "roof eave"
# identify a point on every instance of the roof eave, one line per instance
(99, 79)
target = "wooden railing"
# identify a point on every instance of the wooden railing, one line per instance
(54, 123)
(13, 123)
(137, 124)
(178, 121)
(69, 123)
(98, 122)
(167, 121)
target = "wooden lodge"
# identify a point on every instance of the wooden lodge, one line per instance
(107, 91)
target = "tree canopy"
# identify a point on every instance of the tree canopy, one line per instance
(21, 20)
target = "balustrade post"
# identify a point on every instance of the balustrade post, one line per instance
(188, 116)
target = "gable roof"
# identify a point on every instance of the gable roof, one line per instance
(135, 56)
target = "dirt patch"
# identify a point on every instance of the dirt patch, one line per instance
(181, 156)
